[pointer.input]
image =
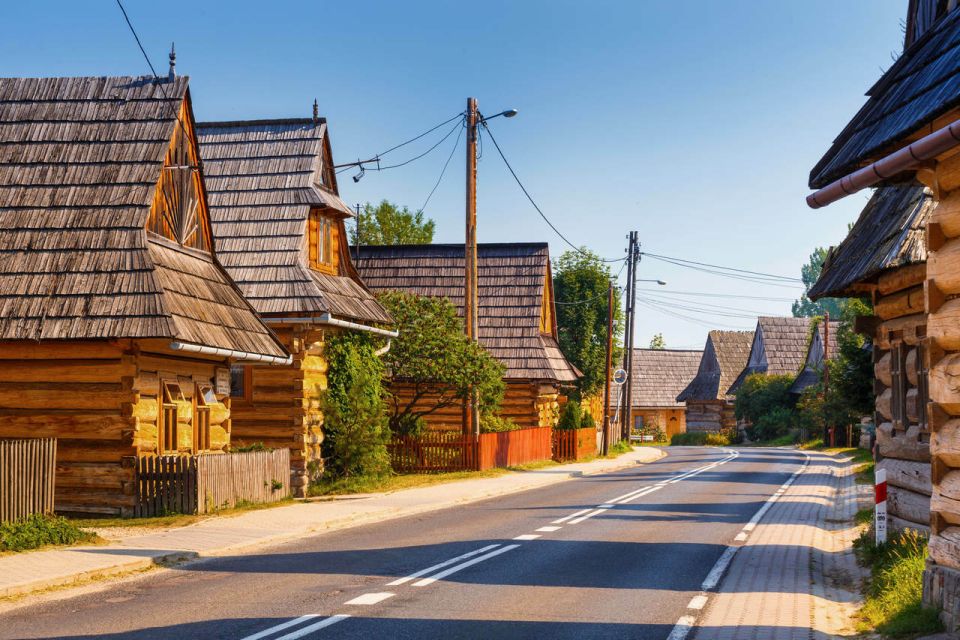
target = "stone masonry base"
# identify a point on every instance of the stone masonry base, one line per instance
(941, 589)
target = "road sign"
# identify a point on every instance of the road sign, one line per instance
(619, 376)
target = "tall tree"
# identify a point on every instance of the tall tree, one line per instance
(580, 284)
(657, 342)
(809, 273)
(388, 224)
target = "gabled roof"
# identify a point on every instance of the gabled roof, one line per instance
(511, 288)
(80, 159)
(724, 357)
(888, 234)
(922, 84)
(659, 375)
(779, 348)
(813, 363)
(263, 177)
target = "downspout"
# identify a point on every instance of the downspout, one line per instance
(230, 353)
(334, 322)
(385, 349)
(909, 157)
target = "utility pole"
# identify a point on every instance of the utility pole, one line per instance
(633, 257)
(470, 296)
(606, 387)
(357, 256)
(828, 436)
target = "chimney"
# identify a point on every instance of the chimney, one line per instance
(172, 73)
(316, 113)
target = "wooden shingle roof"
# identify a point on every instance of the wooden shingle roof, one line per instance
(922, 84)
(725, 354)
(779, 348)
(512, 285)
(263, 177)
(888, 234)
(80, 159)
(659, 375)
(813, 363)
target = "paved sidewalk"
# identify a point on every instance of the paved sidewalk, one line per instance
(26, 572)
(796, 576)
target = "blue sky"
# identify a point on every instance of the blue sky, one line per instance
(694, 123)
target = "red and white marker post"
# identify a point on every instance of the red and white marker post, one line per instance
(880, 508)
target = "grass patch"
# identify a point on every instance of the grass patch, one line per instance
(864, 516)
(619, 448)
(809, 445)
(699, 439)
(893, 595)
(40, 531)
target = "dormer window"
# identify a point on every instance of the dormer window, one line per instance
(322, 242)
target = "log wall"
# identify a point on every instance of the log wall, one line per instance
(903, 435)
(282, 407)
(671, 420)
(709, 415)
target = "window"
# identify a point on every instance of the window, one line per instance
(321, 242)
(923, 385)
(898, 386)
(204, 397)
(240, 381)
(167, 432)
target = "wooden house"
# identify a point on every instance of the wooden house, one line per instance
(821, 346)
(884, 258)
(708, 406)
(779, 347)
(515, 310)
(659, 376)
(279, 226)
(909, 128)
(117, 323)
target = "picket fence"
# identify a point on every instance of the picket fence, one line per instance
(444, 451)
(574, 444)
(27, 477)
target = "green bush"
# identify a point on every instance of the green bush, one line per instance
(571, 417)
(587, 421)
(354, 411)
(699, 439)
(245, 448)
(496, 424)
(761, 394)
(39, 531)
(775, 424)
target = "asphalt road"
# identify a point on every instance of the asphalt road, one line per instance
(618, 555)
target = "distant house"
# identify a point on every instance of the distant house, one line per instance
(822, 345)
(709, 407)
(884, 258)
(659, 376)
(118, 326)
(279, 226)
(516, 316)
(779, 348)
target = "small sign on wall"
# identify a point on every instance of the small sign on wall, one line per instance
(222, 379)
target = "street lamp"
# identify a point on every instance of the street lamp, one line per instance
(659, 282)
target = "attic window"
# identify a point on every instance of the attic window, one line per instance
(322, 242)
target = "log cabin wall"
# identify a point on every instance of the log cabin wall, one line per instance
(671, 420)
(280, 406)
(903, 435)
(709, 415)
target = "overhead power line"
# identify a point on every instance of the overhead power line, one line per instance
(375, 159)
(698, 321)
(456, 144)
(746, 273)
(715, 295)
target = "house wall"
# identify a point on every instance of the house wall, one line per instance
(709, 415)
(98, 398)
(282, 405)
(672, 420)
(903, 435)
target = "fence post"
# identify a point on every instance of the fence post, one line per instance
(880, 510)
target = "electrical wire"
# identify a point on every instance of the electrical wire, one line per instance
(713, 268)
(597, 298)
(408, 161)
(376, 157)
(456, 144)
(679, 303)
(714, 295)
(697, 321)
(536, 206)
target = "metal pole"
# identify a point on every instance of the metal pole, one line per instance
(828, 439)
(357, 258)
(606, 387)
(470, 298)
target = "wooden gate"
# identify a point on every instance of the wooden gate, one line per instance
(27, 475)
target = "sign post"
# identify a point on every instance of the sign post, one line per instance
(880, 509)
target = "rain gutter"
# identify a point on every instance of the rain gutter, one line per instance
(909, 157)
(230, 353)
(335, 322)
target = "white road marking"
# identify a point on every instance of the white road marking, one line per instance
(299, 633)
(627, 495)
(713, 578)
(528, 536)
(441, 565)
(682, 628)
(640, 495)
(371, 598)
(549, 529)
(741, 537)
(570, 517)
(698, 602)
(282, 626)
(595, 512)
(463, 565)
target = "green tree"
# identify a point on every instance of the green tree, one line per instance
(388, 224)
(657, 342)
(809, 273)
(354, 411)
(434, 356)
(580, 284)
(765, 402)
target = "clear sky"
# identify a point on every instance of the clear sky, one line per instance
(694, 123)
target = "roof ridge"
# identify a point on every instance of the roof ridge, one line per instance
(211, 124)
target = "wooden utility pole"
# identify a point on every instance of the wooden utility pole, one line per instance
(828, 436)
(605, 449)
(470, 296)
(633, 255)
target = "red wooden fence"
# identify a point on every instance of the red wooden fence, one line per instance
(510, 448)
(574, 444)
(440, 451)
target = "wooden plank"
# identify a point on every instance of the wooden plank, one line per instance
(902, 278)
(902, 303)
(909, 474)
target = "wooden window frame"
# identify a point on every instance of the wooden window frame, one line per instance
(899, 386)
(923, 385)
(167, 435)
(201, 416)
(320, 242)
(247, 371)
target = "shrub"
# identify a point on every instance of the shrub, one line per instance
(761, 394)
(496, 424)
(699, 439)
(770, 426)
(38, 531)
(587, 421)
(571, 417)
(245, 448)
(354, 411)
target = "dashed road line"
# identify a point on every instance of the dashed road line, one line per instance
(463, 565)
(370, 598)
(588, 515)
(527, 536)
(305, 631)
(282, 626)
(698, 602)
(441, 565)
(548, 529)
(570, 517)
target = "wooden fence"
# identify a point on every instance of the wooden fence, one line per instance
(27, 474)
(442, 451)
(205, 483)
(574, 444)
